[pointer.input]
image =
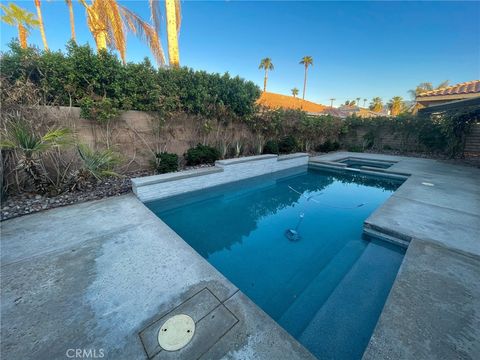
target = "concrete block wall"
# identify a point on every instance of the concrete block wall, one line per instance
(225, 171)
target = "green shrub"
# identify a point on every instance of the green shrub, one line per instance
(166, 162)
(271, 147)
(202, 154)
(355, 148)
(369, 140)
(65, 78)
(287, 144)
(102, 110)
(328, 146)
(387, 147)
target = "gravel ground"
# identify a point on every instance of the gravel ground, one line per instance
(28, 203)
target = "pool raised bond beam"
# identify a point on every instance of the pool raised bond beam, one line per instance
(225, 171)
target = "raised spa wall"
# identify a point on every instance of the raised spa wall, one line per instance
(225, 171)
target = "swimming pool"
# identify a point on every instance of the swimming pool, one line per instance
(292, 241)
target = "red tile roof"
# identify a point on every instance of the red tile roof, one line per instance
(275, 101)
(468, 87)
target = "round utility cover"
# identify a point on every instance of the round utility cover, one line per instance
(176, 332)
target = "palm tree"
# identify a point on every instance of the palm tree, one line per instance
(266, 64)
(364, 102)
(294, 92)
(358, 101)
(306, 61)
(376, 104)
(107, 21)
(173, 15)
(40, 22)
(24, 20)
(331, 102)
(426, 86)
(396, 105)
(72, 19)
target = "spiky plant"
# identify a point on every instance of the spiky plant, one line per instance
(29, 146)
(108, 21)
(96, 164)
(24, 20)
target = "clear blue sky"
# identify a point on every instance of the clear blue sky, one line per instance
(360, 49)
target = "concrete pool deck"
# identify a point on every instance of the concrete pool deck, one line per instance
(102, 275)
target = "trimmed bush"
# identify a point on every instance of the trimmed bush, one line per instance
(328, 146)
(271, 147)
(202, 154)
(166, 162)
(65, 78)
(355, 148)
(287, 144)
(102, 110)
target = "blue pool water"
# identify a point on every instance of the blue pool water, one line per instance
(328, 288)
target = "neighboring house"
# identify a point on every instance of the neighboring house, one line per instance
(449, 97)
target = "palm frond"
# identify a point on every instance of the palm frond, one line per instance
(108, 15)
(145, 32)
(155, 11)
(58, 137)
(14, 15)
(443, 84)
(18, 135)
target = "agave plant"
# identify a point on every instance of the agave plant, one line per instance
(29, 146)
(96, 164)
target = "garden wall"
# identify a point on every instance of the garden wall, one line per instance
(383, 138)
(137, 135)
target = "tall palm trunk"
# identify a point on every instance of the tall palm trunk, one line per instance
(304, 82)
(172, 33)
(72, 20)
(101, 39)
(265, 81)
(22, 35)
(40, 20)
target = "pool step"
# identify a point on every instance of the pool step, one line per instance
(309, 301)
(304, 276)
(350, 313)
(385, 237)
